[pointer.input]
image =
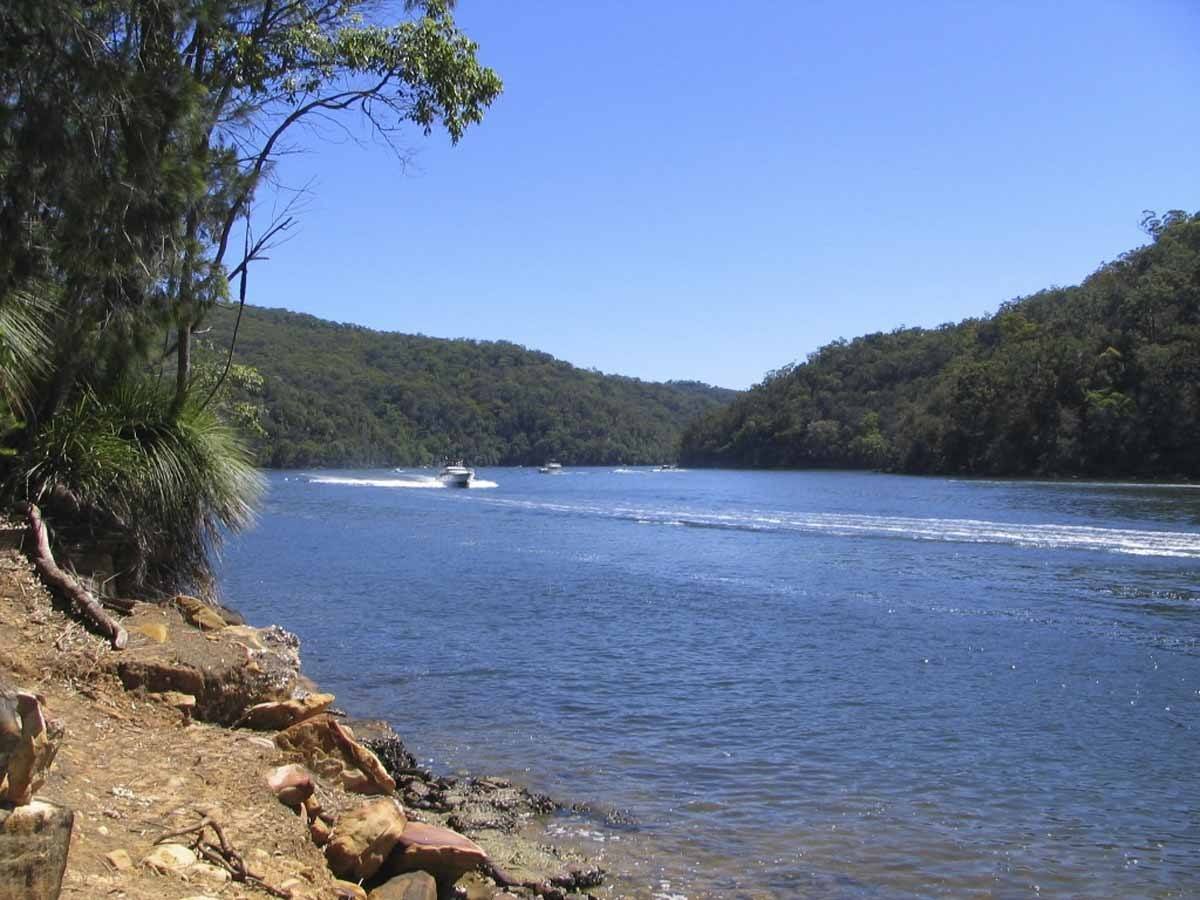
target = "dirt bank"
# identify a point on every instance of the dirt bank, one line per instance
(134, 769)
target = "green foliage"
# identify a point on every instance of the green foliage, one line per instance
(341, 395)
(169, 486)
(1098, 379)
(25, 339)
(134, 134)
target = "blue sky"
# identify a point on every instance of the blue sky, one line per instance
(709, 190)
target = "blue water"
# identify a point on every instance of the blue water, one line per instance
(792, 684)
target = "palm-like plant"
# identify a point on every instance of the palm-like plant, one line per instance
(24, 345)
(166, 487)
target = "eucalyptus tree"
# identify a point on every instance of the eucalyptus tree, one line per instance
(134, 135)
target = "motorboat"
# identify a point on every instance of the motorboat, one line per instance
(667, 467)
(551, 468)
(457, 475)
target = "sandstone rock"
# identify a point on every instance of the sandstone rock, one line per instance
(28, 744)
(278, 715)
(34, 841)
(312, 806)
(207, 872)
(444, 854)
(412, 886)
(348, 890)
(119, 860)
(291, 784)
(199, 613)
(331, 750)
(169, 858)
(364, 838)
(239, 668)
(319, 831)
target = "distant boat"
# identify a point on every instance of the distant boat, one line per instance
(457, 475)
(551, 468)
(667, 467)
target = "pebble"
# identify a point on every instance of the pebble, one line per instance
(208, 872)
(169, 857)
(119, 860)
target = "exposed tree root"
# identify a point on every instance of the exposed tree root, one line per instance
(85, 604)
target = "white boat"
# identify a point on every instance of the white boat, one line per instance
(457, 475)
(551, 468)
(667, 467)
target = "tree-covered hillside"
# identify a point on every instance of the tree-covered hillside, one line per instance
(1098, 379)
(342, 395)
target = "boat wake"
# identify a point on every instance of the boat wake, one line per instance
(413, 481)
(418, 482)
(1180, 544)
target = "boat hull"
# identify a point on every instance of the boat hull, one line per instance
(457, 476)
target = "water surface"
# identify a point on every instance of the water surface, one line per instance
(784, 684)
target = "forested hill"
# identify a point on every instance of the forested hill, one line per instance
(343, 395)
(1098, 379)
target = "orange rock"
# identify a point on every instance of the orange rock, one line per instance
(282, 714)
(364, 838)
(291, 784)
(330, 748)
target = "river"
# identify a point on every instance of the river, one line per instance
(775, 684)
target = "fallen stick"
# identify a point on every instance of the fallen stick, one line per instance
(224, 856)
(85, 604)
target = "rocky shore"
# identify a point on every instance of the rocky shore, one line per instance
(199, 763)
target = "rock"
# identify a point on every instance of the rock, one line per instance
(291, 784)
(390, 750)
(278, 715)
(28, 744)
(238, 668)
(476, 887)
(364, 838)
(119, 860)
(332, 751)
(156, 631)
(319, 831)
(199, 613)
(202, 871)
(348, 890)
(444, 854)
(34, 841)
(412, 886)
(312, 806)
(169, 858)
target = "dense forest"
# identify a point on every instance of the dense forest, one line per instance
(343, 395)
(1098, 379)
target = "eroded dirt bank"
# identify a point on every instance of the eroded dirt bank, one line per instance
(140, 761)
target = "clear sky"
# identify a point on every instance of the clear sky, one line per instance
(709, 190)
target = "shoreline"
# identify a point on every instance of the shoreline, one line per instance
(114, 706)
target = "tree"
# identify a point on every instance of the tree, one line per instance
(134, 136)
